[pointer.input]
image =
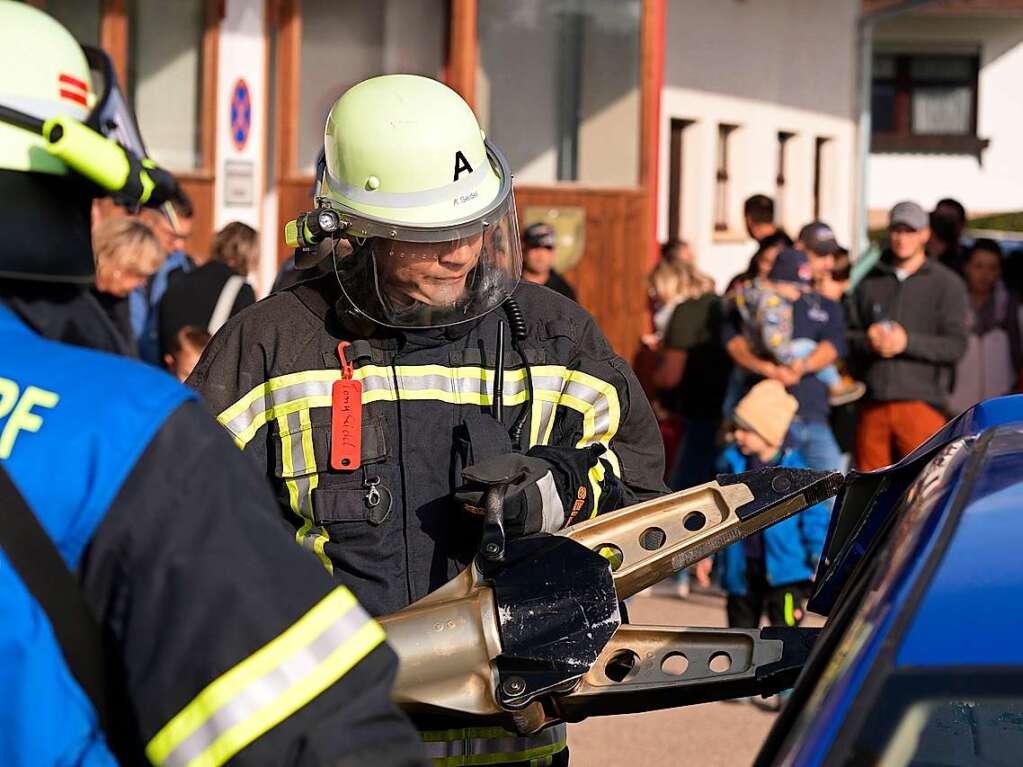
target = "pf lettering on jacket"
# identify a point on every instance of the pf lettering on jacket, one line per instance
(17, 408)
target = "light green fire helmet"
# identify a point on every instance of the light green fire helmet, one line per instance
(43, 73)
(423, 199)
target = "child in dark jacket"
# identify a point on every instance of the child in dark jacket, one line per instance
(769, 572)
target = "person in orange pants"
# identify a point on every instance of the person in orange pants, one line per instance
(906, 330)
(888, 431)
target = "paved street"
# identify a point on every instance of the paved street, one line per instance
(708, 735)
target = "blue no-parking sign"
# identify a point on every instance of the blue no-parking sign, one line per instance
(241, 114)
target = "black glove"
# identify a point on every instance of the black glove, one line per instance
(544, 486)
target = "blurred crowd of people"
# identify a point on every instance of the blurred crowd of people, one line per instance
(801, 363)
(164, 303)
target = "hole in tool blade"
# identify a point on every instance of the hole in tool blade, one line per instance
(720, 662)
(694, 520)
(652, 538)
(674, 664)
(612, 554)
(622, 666)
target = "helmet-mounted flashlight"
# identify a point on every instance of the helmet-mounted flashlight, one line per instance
(309, 229)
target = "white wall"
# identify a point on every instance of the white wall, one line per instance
(995, 181)
(787, 65)
(522, 44)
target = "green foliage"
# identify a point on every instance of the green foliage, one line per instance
(996, 222)
(999, 222)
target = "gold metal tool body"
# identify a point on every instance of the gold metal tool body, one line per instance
(537, 637)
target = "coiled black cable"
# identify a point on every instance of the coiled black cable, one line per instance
(517, 324)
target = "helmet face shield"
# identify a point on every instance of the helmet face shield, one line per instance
(451, 275)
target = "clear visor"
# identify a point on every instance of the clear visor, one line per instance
(458, 275)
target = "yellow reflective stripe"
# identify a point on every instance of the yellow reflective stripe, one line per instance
(589, 435)
(454, 373)
(269, 685)
(596, 477)
(790, 609)
(461, 733)
(439, 395)
(594, 399)
(278, 411)
(278, 382)
(491, 745)
(301, 480)
(288, 465)
(309, 453)
(321, 380)
(469, 760)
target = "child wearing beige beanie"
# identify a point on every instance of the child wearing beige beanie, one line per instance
(762, 419)
(769, 573)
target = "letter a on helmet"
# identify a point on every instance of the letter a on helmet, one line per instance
(425, 201)
(461, 164)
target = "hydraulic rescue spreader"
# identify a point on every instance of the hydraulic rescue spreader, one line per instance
(532, 633)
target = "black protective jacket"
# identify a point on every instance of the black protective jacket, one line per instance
(389, 529)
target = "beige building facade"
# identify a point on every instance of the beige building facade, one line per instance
(757, 98)
(947, 111)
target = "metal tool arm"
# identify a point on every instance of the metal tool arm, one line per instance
(535, 636)
(644, 668)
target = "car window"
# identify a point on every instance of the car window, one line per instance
(942, 717)
(957, 733)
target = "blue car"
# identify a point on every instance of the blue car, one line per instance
(921, 661)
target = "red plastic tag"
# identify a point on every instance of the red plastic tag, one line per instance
(346, 417)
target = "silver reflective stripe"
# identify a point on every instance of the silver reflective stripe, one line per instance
(553, 508)
(601, 407)
(44, 109)
(463, 384)
(264, 690)
(373, 382)
(546, 422)
(512, 745)
(465, 185)
(303, 482)
(275, 398)
(294, 422)
(548, 383)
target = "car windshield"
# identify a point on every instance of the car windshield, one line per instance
(944, 718)
(964, 733)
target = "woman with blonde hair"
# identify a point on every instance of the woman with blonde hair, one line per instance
(208, 296)
(694, 369)
(670, 283)
(690, 375)
(127, 253)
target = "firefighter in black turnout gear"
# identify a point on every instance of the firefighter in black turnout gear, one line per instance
(144, 619)
(384, 396)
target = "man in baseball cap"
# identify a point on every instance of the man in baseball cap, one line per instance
(539, 247)
(817, 240)
(907, 330)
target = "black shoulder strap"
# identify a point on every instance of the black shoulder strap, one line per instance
(42, 569)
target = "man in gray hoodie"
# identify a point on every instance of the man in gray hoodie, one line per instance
(907, 330)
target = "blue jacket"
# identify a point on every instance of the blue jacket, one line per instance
(177, 546)
(791, 547)
(144, 303)
(68, 446)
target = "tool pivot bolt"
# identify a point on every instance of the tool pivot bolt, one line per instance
(781, 484)
(514, 685)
